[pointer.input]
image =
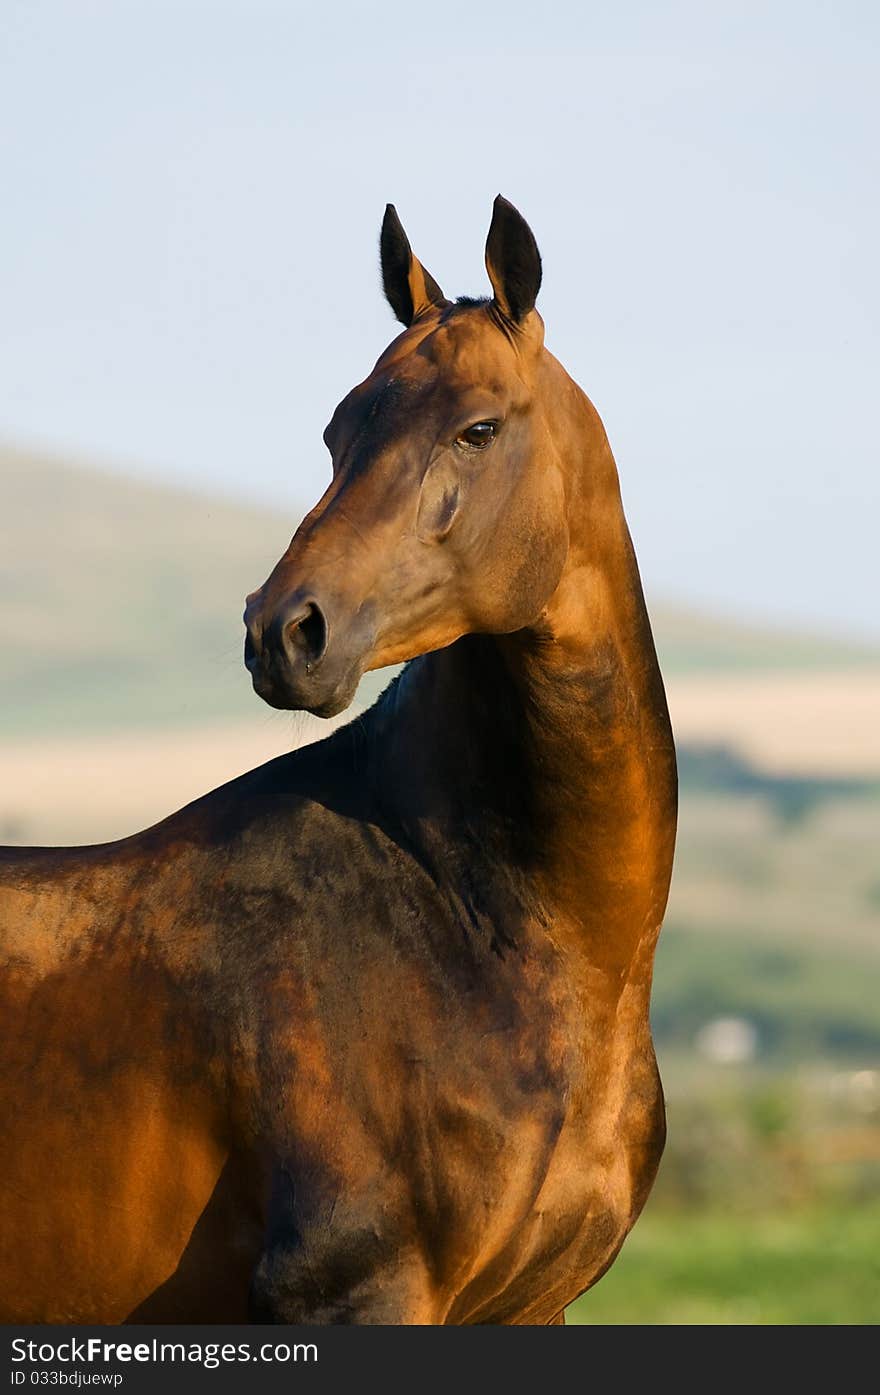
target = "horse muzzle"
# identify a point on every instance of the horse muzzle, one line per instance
(297, 660)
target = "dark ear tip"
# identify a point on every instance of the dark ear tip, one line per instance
(505, 207)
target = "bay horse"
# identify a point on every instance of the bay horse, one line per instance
(362, 1036)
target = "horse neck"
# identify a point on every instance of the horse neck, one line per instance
(553, 744)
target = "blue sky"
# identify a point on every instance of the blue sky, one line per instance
(192, 194)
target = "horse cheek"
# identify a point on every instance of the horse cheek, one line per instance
(438, 502)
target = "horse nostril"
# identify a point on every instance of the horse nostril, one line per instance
(253, 635)
(307, 635)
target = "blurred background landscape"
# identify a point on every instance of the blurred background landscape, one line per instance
(192, 193)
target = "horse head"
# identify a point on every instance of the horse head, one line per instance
(447, 511)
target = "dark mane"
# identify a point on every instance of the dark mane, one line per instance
(464, 302)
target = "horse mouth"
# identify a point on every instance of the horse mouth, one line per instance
(318, 694)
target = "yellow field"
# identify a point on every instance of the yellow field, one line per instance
(87, 788)
(793, 723)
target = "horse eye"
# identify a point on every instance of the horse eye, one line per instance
(481, 434)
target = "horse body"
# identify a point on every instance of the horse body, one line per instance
(363, 1035)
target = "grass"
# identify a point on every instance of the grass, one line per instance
(766, 1209)
(814, 1266)
(805, 1000)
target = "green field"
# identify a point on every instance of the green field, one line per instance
(814, 1266)
(767, 1205)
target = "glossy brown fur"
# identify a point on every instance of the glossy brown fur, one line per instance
(363, 1036)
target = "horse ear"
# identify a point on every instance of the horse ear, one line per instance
(512, 261)
(410, 289)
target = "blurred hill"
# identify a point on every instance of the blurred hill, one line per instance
(121, 601)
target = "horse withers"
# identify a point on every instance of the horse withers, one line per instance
(363, 1035)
